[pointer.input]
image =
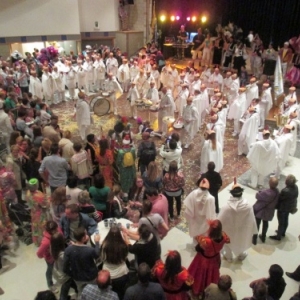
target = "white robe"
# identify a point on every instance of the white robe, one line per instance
(208, 154)
(134, 72)
(266, 102)
(165, 109)
(226, 85)
(199, 207)
(57, 82)
(264, 156)
(190, 120)
(36, 88)
(112, 66)
(88, 66)
(47, 85)
(83, 114)
(251, 93)
(234, 90)
(99, 70)
(238, 222)
(123, 74)
(70, 78)
(133, 95)
(219, 129)
(152, 95)
(181, 100)
(156, 75)
(5, 128)
(284, 142)
(216, 81)
(248, 134)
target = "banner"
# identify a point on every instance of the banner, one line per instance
(278, 79)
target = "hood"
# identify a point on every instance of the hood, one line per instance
(63, 142)
(238, 204)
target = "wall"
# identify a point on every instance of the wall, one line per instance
(38, 17)
(105, 12)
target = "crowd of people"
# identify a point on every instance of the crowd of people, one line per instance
(92, 179)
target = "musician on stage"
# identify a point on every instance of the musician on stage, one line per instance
(123, 75)
(197, 41)
(182, 34)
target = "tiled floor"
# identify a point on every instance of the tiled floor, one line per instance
(25, 273)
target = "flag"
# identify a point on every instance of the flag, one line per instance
(278, 80)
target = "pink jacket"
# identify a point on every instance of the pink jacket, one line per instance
(160, 206)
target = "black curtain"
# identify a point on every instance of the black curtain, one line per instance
(273, 20)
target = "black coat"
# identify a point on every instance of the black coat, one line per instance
(288, 199)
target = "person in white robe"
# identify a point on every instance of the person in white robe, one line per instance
(264, 158)
(222, 112)
(134, 70)
(164, 109)
(112, 64)
(236, 110)
(156, 75)
(5, 126)
(99, 73)
(147, 65)
(238, 221)
(265, 104)
(181, 99)
(141, 83)
(132, 96)
(196, 84)
(58, 86)
(147, 83)
(205, 75)
(284, 141)
(251, 91)
(113, 86)
(218, 127)
(294, 121)
(81, 73)
(173, 105)
(83, 116)
(165, 75)
(70, 79)
(199, 208)
(227, 83)
(35, 86)
(88, 66)
(216, 79)
(47, 85)
(199, 104)
(190, 118)
(211, 151)
(152, 93)
(292, 105)
(234, 89)
(123, 75)
(189, 77)
(249, 131)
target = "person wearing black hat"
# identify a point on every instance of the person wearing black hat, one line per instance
(239, 223)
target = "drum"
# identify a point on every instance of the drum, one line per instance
(100, 105)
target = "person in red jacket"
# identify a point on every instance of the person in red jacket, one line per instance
(44, 250)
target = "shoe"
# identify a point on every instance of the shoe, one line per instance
(275, 237)
(242, 256)
(291, 275)
(254, 240)
(262, 238)
(283, 235)
(228, 259)
(171, 219)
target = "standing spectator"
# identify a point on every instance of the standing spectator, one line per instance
(73, 219)
(66, 146)
(146, 152)
(174, 279)
(99, 193)
(173, 183)
(260, 292)
(159, 203)
(72, 191)
(215, 182)
(79, 260)
(114, 253)
(200, 207)
(100, 291)
(5, 126)
(44, 250)
(144, 289)
(275, 282)
(93, 150)
(81, 166)
(220, 291)
(59, 202)
(152, 176)
(52, 131)
(57, 168)
(287, 203)
(137, 196)
(106, 160)
(238, 220)
(205, 267)
(264, 208)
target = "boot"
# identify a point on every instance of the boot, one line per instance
(262, 238)
(254, 239)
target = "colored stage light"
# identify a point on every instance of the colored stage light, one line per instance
(204, 19)
(177, 18)
(172, 18)
(194, 19)
(162, 18)
(188, 18)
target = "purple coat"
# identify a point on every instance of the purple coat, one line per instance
(265, 205)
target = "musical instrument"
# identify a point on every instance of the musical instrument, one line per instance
(105, 94)
(178, 123)
(169, 120)
(99, 105)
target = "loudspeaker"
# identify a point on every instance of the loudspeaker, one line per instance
(130, 1)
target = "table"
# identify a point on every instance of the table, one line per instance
(103, 231)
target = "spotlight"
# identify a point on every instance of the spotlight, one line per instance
(172, 18)
(188, 19)
(194, 19)
(204, 19)
(162, 18)
(177, 18)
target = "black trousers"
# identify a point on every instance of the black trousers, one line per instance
(171, 203)
(264, 228)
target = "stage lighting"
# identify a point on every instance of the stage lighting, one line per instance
(172, 18)
(177, 18)
(194, 19)
(162, 18)
(203, 19)
(188, 19)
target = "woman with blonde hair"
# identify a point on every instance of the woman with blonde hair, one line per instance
(211, 151)
(58, 202)
(66, 145)
(44, 150)
(152, 176)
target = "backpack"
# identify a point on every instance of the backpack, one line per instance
(147, 154)
(128, 160)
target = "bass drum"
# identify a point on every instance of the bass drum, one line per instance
(100, 105)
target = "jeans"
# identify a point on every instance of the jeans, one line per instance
(64, 290)
(283, 222)
(49, 274)
(171, 202)
(264, 228)
(119, 285)
(19, 195)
